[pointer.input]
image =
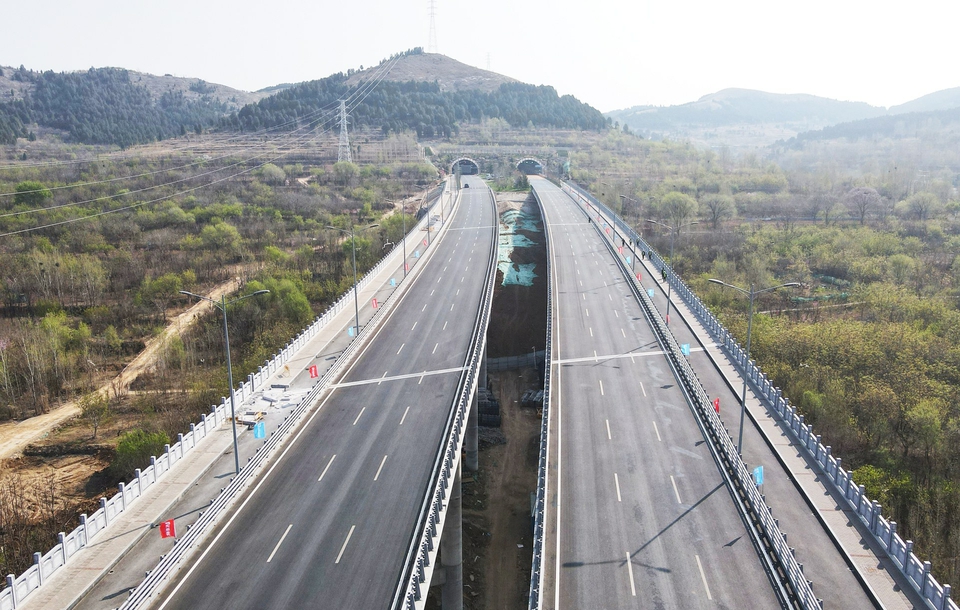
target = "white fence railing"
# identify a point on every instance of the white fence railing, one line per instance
(20, 587)
(917, 572)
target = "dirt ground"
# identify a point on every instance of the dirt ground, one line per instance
(15, 436)
(497, 530)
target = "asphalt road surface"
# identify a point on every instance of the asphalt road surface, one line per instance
(329, 524)
(645, 520)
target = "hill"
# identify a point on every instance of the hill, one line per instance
(432, 104)
(448, 73)
(111, 105)
(741, 117)
(939, 100)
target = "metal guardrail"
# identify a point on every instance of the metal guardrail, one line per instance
(840, 481)
(20, 587)
(536, 571)
(186, 546)
(791, 586)
(420, 562)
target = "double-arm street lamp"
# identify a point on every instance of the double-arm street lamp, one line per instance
(222, 306)
(674, 231)
(353, 241)
(750, 293)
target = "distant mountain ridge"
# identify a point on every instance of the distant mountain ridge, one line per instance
(744, 117)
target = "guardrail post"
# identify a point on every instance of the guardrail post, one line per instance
(893, 532)
(925, 578)
(139, 477)
(123, 495)
(83, 524)
(945, 602)
(63, 546)
(11, 579)
(106, 517)
(36, 562)
(874, 516)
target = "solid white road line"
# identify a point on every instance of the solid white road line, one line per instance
(657, 430)
(703, 577)
(382, 462)
(279, 542)
(358, 415)
(327, 467)
(616, 481)
(675, 490)
(381, 378)
(633, 588)
(344, 547)
(405, 411)
(609, 438)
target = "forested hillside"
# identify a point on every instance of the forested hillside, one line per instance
(103, 106)
(420, 106)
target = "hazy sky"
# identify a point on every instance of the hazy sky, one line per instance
(609, 53)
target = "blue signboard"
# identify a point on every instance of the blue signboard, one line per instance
(650, 292)
(351, 331)
(628, 260)
(416, 254)
(685, 349)
(260, 430)
(758, 475)
(393, 281)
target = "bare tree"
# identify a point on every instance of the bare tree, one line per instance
(719, 207)
(862, 200)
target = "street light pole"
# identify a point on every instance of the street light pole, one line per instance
(634, 241)
(674, 231)
(353, 242)
(750, 293)
(222, 306)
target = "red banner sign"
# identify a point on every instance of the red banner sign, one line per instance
(313, 372)
(168, 529)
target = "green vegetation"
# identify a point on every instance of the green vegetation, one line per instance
(868, 349)
(418, 106)
(134, 451)
(103, 106)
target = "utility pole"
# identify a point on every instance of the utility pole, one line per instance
(343, 152)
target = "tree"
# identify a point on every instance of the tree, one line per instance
(273, 175)
(677, 208)
(862, 200)
(31, 194)
(718, 208)
(134, 451)
(922, 205)
(94, 410)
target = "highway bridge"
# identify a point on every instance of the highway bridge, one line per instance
(640, 513)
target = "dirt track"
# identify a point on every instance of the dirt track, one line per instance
(14, 436)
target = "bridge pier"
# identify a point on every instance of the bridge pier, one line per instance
(451, 551)
(471, 444)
